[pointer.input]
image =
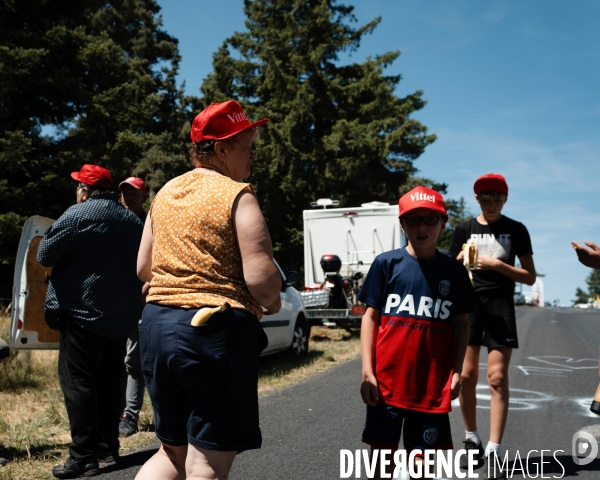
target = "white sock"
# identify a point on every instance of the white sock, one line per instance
(492, 447)
(473, 436)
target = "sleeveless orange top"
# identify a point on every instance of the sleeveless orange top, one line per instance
(196, 261)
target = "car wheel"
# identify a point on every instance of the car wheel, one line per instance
(299, 346)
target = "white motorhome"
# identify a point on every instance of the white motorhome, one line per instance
(356, 235)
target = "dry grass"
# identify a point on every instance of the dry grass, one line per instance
(328, 348)
(34, 428)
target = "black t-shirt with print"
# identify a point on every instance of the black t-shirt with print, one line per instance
(504, 239)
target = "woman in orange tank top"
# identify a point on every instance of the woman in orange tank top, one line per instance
(206, 244)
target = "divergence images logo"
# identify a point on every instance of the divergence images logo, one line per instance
(584, 448)
(444, 287)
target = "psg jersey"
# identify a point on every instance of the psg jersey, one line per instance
(414, 350)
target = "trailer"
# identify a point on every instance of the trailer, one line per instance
(356, 235)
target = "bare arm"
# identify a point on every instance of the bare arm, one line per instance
(144, 261)
(526, 274)
(461, 340)
(261, 276)
(590, 257)
(368, 337)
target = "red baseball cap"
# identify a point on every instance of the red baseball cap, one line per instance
(490, 181)
(135, 182)
(94, 175)
(220, 121)
(422, 197)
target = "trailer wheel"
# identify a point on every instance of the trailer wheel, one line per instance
(299, 346)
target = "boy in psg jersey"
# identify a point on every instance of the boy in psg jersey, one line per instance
(499, 240)
(414, 333)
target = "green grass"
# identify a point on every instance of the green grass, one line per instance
(34, 428)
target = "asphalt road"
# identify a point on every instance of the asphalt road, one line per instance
(554, 375)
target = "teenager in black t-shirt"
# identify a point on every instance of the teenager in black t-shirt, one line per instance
(499, 240)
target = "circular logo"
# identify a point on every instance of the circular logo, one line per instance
(430, 435)
(444, 287)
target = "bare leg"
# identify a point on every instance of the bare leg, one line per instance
(498, 362)
(467, 396)
(168, 464)
(203, 464)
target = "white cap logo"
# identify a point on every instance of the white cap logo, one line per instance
(237, 117)
(422, 196)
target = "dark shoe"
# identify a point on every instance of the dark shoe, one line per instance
(73, 469)
(128, 425)
(471, 445)
(494, 473)
(105, 456)
(2, 461)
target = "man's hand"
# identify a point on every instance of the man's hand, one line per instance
(274, 307)
(590, 257)
(455, 386)
(368, 390)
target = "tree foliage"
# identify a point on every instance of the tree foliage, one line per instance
(94, 82)
(593, 283)
(593, 291)
(83, 82)
(580, 296)
(337, 129)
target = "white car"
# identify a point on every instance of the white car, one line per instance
(286, 330)
(582, 305)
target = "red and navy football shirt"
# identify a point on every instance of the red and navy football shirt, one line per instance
(414, 350)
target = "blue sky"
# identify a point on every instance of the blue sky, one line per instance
(512, 88)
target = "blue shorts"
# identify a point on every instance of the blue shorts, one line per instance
(422, 430)
(203, 380)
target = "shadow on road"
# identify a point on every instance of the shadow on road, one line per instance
(135, 459)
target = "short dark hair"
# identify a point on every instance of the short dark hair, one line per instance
(491, 194)
(92, 190)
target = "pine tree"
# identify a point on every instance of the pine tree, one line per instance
(337, 130)
(83, 82)
(580, 296)
(593, 283)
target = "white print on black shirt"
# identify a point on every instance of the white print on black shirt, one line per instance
(426, 304)
(497, 246)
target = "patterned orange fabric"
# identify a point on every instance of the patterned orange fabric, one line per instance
(195, 257)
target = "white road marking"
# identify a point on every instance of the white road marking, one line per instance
(545, 371)
(585, 403)
(520, 399)
(567, 362)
